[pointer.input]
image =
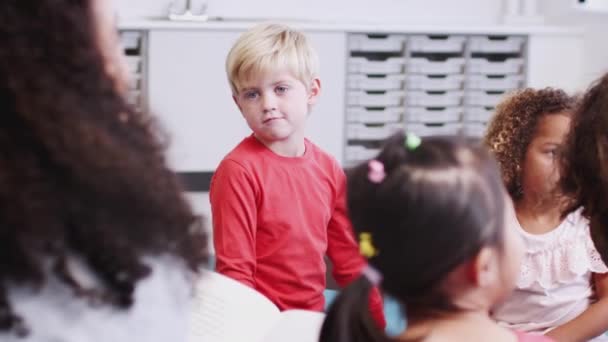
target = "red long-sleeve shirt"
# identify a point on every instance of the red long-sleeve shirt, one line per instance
(275, 218)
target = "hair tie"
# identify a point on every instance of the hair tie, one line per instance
(366, 247)
(373, 275)
(376, 172)
(412, 141)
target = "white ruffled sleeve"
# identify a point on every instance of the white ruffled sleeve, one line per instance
(560, 256)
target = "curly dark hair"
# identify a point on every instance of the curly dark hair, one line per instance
(585, 162)
(81, 172)
(514, 124)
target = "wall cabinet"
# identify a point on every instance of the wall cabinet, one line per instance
(373, 82)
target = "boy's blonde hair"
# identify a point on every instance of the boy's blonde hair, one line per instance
(268, 47)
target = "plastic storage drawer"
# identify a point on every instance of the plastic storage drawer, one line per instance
(490, 82)
(358, 153)
(373, 115)
(491, 44)
(483, 98)
(433, 115)
(434, 82)
(130, 40)
(376, 43)
(474, 129)
(421, 65)
(478, 114)
(134, 98)
(134, 81)
(485, 66)
(375, 82)
(357, 131)
(381, 99)
(425, 130)
(434, 99)
(392, 65)
(436, 44)
(133, 63)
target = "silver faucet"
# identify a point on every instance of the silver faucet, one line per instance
(188, 13)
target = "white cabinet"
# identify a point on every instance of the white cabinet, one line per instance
(370, 82)
(189, 91)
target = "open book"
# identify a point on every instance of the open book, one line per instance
(225, 310)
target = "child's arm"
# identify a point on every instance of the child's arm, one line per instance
(592, 322)
(343, 251)
(233, 208)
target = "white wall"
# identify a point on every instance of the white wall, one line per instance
(471, 12)
(595, 24)
(410, 11)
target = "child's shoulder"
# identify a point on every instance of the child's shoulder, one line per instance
(577, 218)
(320, 155)
(246, 153)
(561, 255)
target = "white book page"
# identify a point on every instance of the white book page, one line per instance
(225, 310)
(296, 326)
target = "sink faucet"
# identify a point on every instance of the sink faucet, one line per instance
(188, 13)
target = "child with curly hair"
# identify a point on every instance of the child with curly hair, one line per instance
(97, 240)
(555, 290)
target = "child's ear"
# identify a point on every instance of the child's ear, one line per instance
(315, 91)
(482, 269)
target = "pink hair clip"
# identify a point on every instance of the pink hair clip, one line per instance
(376, 171)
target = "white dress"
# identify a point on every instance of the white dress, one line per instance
(554, 284)
(160, 312)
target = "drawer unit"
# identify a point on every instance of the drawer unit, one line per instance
(496, 44)
(435, 44)
(133, 45)
(363, 65)
(433, 99)
(491, 82)
(423, 65)
(483, 98)
(434, 82)
(474, 129)
(433, 114)
(375, 82)
(376, 43)
(478, 114)
(425, 130)
(439, 84)
(374, 115)
(480, 65)
(374, 99)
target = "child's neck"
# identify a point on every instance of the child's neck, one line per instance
(537, 216)
(291, 147)
(459, 326)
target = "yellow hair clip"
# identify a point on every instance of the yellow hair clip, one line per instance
(366, 247)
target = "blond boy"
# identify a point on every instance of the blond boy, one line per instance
(278, 200)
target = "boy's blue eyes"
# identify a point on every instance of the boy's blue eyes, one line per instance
(252, 95)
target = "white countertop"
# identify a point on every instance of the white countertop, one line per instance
(311, 25)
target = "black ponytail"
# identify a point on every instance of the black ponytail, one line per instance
(444, 194)
(349, 318)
